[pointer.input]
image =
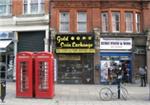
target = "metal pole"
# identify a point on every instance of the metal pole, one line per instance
(118, 88)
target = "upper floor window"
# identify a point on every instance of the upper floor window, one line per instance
(81, 22)
(137, 21)
(33, 6)
(105, 26)
(5, 7)
(129, 21)
(64, 22)
(115, 22)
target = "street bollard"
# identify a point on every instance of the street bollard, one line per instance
(3, 90)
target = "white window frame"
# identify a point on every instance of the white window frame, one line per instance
(62, 22)
(138, 22)
(115, 22)
(29, 6)
(129, 22)
(105, 21)
(8, 8)
(83, 22)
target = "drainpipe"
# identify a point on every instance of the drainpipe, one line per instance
(15, 40)
(96, 56)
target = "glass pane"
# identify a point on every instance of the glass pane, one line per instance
(42, 8)
(43, 76)
(64, 17)
(9, 9)
(2, 2)
(137, 22)
(34, 1)
(129, 23)
(8, 1)
(81, 27)
(41, 1)
(82, 17)
(25, 1)
(64, 27)
(24, 76)
(104, 22)
(25, 8)
(116, 21)
(2, 9)
(34, 8)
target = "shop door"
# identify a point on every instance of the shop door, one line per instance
(88, 73)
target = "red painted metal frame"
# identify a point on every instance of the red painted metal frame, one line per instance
(48, 59)
(25, 58)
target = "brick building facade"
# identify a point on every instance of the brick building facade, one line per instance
(120, 35)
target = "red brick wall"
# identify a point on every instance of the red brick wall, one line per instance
(146, 16)
(17, 8)
(93, 10)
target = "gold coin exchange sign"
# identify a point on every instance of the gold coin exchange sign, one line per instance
(70, 42)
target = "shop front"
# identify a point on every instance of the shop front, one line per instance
(115, 51)
(6, 54)
(75, 58)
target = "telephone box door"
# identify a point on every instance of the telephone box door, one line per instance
(24, 70)
(44, 82)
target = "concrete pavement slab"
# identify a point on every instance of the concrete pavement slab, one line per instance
(80, 95)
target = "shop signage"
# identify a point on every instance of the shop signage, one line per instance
(75, 50)
(70, 57)
(75, 43)
(116, 43)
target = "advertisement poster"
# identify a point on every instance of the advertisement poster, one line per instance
(107, 70)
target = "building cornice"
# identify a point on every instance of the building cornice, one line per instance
(25, 20)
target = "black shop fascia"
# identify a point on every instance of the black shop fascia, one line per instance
(75, 43)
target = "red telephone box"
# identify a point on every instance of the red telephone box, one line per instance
(24, 71)
(44, 75)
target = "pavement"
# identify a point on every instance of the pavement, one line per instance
(80, 95)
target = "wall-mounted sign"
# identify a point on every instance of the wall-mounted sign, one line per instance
(70, 57)
(75, 50)
(116, 43)
(74, 43)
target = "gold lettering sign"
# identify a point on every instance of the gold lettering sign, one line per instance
(75, 41)
(75, 50)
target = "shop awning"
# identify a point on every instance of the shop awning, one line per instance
(4, 44)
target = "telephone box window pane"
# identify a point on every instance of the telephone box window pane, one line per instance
(43, 76)
(24, 76)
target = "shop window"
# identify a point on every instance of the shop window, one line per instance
(137, 21)
(104, 17)
(5, 7)
(129, 21)
(33, 6)
(115, 21)
(64, 22)
(81, 22)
